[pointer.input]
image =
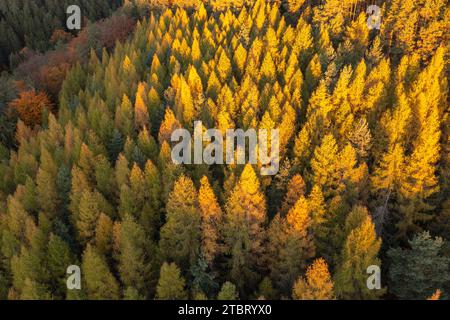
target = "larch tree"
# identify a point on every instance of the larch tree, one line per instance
(171, 285)
(141, 114)
(228, 292)
(98, 281)
(212, 217)
(290, 245)
(360, 251)
(296, 188)
(181, 235)
(317, 285)
(244, 234)
(135, 257)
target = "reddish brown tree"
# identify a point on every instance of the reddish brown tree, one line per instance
(30, 105)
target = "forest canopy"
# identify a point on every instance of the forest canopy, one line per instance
(88, 178)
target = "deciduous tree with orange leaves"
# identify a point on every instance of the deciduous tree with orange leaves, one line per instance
(31, 105)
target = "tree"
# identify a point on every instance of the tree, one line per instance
(98, 280)
(46, 184)
(317, 285)
(211, 220)
(420, 182)
(171, 283)
(295, 5)
(415, 273)
(88, 216)
(141, 115)
(228, 292)
(296, 188)
(224, 67)
(181, 235)
(436, 295)
(266, 290)
(103, 234)
(169, 124)
(202, 280)
(324, 165)
(135, 256)
(31, 105)
(359, 252)
(244, 229)
(59, 258)
(290, 245)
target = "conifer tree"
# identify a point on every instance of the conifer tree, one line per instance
(99, 283)
(211, 220)
(171, 285)
(415, 273)
(317, 285)
(135, 256)
(244, 228)
(360, 251)
(59, 258)
(290, 245)
(140, 108)
(181, 235)
(228, 292)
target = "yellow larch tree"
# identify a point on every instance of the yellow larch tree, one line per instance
(317, 285)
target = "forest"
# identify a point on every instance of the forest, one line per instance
(87, 176)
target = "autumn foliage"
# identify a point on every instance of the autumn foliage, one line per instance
(30, 105)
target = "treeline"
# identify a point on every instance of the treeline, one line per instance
(364, 147)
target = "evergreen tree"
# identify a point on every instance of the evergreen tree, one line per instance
(415, 273)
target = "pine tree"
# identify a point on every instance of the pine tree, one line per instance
(169, 124)
(224, 67)
(103, 234)
(46, 184)
(89, 211)
(415, 273)
(295, 5)
(324, 165)
(420, 181)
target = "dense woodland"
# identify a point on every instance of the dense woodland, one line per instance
(87, 178)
